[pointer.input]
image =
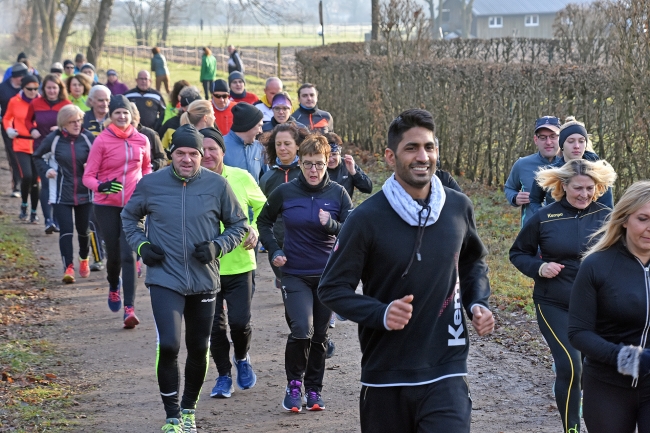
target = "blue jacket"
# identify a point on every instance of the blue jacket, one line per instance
(245, 156)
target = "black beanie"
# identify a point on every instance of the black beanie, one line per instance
(245, 117)
(28, 79)
(21, 56)
(67, 62)
(234, 75)
(119, 101)
(213, 133)
(186, 136)
(18, 70)
(220, 86)
(573, 129)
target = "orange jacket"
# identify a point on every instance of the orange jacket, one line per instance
(15, 118)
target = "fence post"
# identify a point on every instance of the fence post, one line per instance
(258, 62)
(133, 61)
(279, 61)
(123, 56)
(196, 54)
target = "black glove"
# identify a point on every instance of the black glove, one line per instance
(151, 254)
(206, 252)
(110, 187)
(644, 363)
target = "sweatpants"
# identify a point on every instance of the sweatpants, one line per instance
(612, 409)
(169, 308)
(441, 406)
(308, 320)
(63, 214)
(28, 178)
(554, 324)
(119, 255)
(237, 291)
(11, 160)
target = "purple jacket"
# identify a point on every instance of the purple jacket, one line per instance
(117, 88)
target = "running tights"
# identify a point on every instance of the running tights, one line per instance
(63, 214)
(169, 307)
(28, 178)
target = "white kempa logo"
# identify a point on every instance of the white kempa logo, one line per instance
(209, 300)
(458, 320)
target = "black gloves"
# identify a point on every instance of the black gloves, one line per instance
(206, 252)
(151, 254)
(110, 187)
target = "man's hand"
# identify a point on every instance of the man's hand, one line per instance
(323, 217)
(35, 134)
(482, 320)
(51, 173)
(151, 254)
(251, 240)
(551, 269)
(206, 251)
(279, 260)
(349, 164)
(522, 198)
(399, 313)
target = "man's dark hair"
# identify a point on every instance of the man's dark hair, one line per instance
(409, 119)
(306, 86)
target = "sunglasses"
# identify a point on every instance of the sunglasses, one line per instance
(31, 89)
(69, 67)
(220, 96)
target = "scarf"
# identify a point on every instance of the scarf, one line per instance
(410, 210)
(241, 95)
(121, 134)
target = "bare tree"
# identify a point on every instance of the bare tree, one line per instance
(99, 32)
(167, 10)
(374, 18)
(586, 28)
(466, 10)
(233, 14)
(404, 27)
(145, 16)
(70, 8)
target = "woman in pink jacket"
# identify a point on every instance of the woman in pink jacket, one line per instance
(117, 161)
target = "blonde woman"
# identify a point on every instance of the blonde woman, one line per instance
(200, 114)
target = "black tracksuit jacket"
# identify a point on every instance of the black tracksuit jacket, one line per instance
(375, 246)
(342, 176)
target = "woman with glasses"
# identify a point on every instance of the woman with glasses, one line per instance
(222, 106)
(23, 144)
(313, 209)
(281, 106)
(66, 151)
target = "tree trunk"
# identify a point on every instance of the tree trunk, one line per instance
(374, 33)
(73, 7)
(166, 17)
(46, 27)
(467, 18)
(99, 33)
(33, 28)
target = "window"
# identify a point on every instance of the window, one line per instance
(532, 20)
(495, 22)
(446, 15)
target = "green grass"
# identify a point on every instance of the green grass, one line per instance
(17, 259)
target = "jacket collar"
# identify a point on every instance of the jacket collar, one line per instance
(324, 183)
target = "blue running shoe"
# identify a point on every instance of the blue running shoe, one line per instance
(331, 348)
(314, 400)
(292, 400)
(114, 298)
(223, 388)
(246, 377)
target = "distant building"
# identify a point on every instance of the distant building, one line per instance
(502, 18)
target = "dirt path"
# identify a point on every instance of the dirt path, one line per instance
(511, 391)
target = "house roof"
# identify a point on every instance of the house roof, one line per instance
(521, 7)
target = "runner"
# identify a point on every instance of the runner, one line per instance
(117, 161)
(185, 205)
(345, 171)
(608, 318)
(13, 122)
(236, 270)
(62, 156)
(313, 209)
(561, 232)
(411, 326)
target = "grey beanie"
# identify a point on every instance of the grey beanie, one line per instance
(234, 75)
(18, 70)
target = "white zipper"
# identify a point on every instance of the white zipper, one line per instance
(646, 328)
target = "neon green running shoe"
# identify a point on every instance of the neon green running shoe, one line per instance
(172, 425)
(188, 421)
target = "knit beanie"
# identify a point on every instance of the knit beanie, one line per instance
(67, 62)
(186, 136)
(234, 75)
(18, 70)
(245, 117)
(119, 101)
(573, 129)
(213, 133)
(21, 57)
(185, 101)
(87, 66)
(28, 79)
(220, 86)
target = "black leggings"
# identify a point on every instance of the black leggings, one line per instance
(95, 238)
(308, 320)
(553, 323)
(237, 291)
(207, 88)
(28, 178)
(63, 214)
(11, 158)
(613, 409)
(45, 197)
(119, 255)
(169, 307)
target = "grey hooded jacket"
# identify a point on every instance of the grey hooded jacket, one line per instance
(181, 213)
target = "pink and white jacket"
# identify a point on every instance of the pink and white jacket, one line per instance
(121, 155)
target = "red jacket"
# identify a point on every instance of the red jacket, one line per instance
(250, 97)
(42, 117)
(224, 118)
(15, 116)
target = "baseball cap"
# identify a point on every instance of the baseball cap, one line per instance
(548, 122)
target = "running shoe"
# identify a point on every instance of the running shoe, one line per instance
(246, 377)
(340, 318)
(223, 388)
(97, 266)
(130, 319)
(33, 218)
(292, 399)
(331, 348)
(23, 212)
(314, 400)
(172, 425)
(114, 299)
(332, 321)
(84, 269)
(15, 193)
(261, 249)
(49, 226)
(68, 276)
(188, 421)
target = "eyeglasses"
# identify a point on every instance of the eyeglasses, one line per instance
(308, 165)
(220, 96)
(31, 89)
(551, 137)
(281, 108)
(69, 67)
(74, 122)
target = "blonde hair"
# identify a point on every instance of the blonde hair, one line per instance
(67, 113)
(552, 179)
(196, 111)
(570, 121)
(634, 198)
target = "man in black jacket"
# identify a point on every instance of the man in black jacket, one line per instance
(308, 112)
(345, 171)
(149, 101)
(415, 247)
(8, 89)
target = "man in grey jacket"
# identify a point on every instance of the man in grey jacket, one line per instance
(184, 204)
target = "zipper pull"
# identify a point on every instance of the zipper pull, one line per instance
(419, 257)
